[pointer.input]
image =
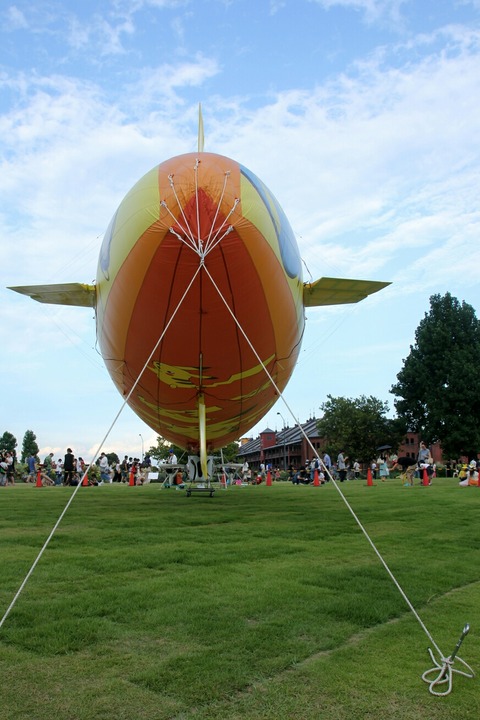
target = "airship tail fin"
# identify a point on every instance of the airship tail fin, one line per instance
(79, 294)
(339, 291)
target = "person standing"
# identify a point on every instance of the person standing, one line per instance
(327, 462)
(172, 458)
(3, 470)
(80, 467)
(117, 472)
(47, 466)
(124, 469)
(341, 465)
(10, 461)
(104, 468)
(32, 468)
(68, 467)
(423, 461)
(58, 472)
(383, 468)
(423, 454)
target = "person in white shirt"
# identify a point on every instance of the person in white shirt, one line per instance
(172, 458)
(104, 468)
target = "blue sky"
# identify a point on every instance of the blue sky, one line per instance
(361, 116)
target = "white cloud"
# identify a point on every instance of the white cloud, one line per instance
(15, 19)
(360, 155)
(373, 10)
(377, 170)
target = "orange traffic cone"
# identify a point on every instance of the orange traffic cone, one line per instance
(269, 478)
(223, 481)
(369, 478)
(131, 480)
(85, 480)
(316, 480)
(39, 479)
(425, 480)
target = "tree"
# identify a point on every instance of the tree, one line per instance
(358, 426)
(160, 451)
(29, 445)
(8, 442)
(230, 452)
(438, 388)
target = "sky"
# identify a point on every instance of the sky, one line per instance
(361, 116)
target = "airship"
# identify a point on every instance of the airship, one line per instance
(199, 299)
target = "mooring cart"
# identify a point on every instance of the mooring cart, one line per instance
(195, 490)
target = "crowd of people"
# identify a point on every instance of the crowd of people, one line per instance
(411, 469)
(71, 470)
(298, 476)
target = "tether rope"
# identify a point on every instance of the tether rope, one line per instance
(442, 672)
(122, 407)
(446, 663)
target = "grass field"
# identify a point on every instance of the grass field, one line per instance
(258, 603)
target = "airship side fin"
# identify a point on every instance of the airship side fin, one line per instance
(79, 294)
(338, 291)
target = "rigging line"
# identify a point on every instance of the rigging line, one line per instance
(189, 242)
(307, 269)
(188, 230)
(182, 239)
(229, 229)
(217, 240)
(51, 315)
(226, 176)
(349, 507)
(331, 330)
(72, 260)
(80, 483)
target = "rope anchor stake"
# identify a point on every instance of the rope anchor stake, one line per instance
(442, 672)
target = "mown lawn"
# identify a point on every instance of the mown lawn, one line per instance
(258, 603)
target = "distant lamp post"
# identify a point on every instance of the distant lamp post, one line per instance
(284, 447)
(141, 438)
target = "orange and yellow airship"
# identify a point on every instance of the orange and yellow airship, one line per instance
(199, 299)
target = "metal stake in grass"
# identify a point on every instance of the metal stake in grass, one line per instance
(446, 669)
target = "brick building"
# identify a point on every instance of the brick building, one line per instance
(284, 448)
(290, 447)
(411, 446)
